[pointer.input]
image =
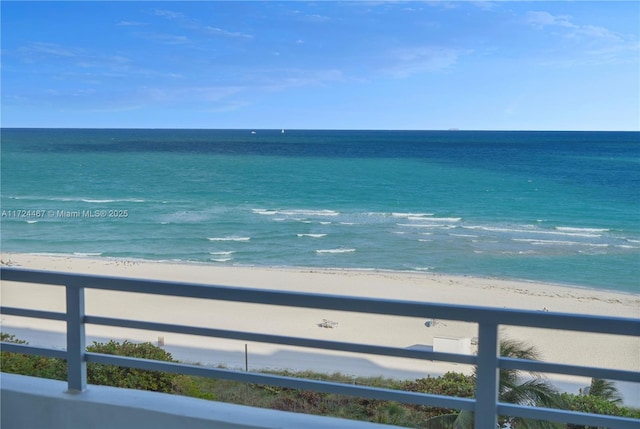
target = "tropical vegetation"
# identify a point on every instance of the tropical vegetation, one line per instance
(514, 386)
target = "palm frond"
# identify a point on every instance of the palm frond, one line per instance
(604, 389)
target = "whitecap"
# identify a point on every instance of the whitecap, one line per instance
(221, 259)
(540, 242)
(341, 250)
(531, 231)
(228, 238)
(229, 252)
(417, 215)
(87, 253)
(312, 235)
(32, 221)
(426, 225)
(574, 229)
(296, 212)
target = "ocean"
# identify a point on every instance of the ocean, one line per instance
(559, 207)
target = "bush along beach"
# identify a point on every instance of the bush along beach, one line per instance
(600, 397)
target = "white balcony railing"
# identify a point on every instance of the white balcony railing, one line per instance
(486, 406)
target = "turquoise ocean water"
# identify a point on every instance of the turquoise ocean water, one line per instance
(560, 207)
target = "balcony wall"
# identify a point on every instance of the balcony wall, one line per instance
(30, 403)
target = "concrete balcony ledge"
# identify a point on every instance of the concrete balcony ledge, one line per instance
(29, 402)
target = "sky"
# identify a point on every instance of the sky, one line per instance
(406, 65)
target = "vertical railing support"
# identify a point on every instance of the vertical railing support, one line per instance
(76, 364)
(487, 382)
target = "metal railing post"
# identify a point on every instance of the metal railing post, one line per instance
(487, 374)
(76, 347)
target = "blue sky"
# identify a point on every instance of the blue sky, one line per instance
(511, 65)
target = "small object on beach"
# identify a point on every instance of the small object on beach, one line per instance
(429, 323)
(160, 341)
(328, 324)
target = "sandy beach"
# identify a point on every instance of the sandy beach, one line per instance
(621, 352)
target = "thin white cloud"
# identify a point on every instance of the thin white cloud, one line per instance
(188, 94)
(215, 31)
(169, 39)
(131, 24)
(423, 59)
(196, 26)
(44, 48)
(169, 14)
(317, 18)
(594, 43)
(541, 19)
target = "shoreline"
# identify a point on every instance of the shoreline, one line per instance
(6, 260)
(555, 346)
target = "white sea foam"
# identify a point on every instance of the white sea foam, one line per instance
(32, 221)
(434, 219)
(312, 235)
(296, 212)
(85, 254)
(531, 231)
(229, 252)
(572, 229)
(221, 259)
(414, 215)
(341, 250)
(77, 199)
(426, 225)
(539, 242)
(228, 238)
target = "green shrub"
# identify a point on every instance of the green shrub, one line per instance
(132, 378)
(596, 405)
(35, 366)
(106, 375)
(450, 384)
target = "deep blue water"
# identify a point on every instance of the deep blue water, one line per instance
(561, 207)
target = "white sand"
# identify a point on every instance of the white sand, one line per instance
(620, 352)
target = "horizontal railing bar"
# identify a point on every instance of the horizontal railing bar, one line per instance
(292, 341)
(36, 314)
(565, 416)
(32, 350)
(289, 382)
(556, 368)
(472, 314)
(570, 322)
